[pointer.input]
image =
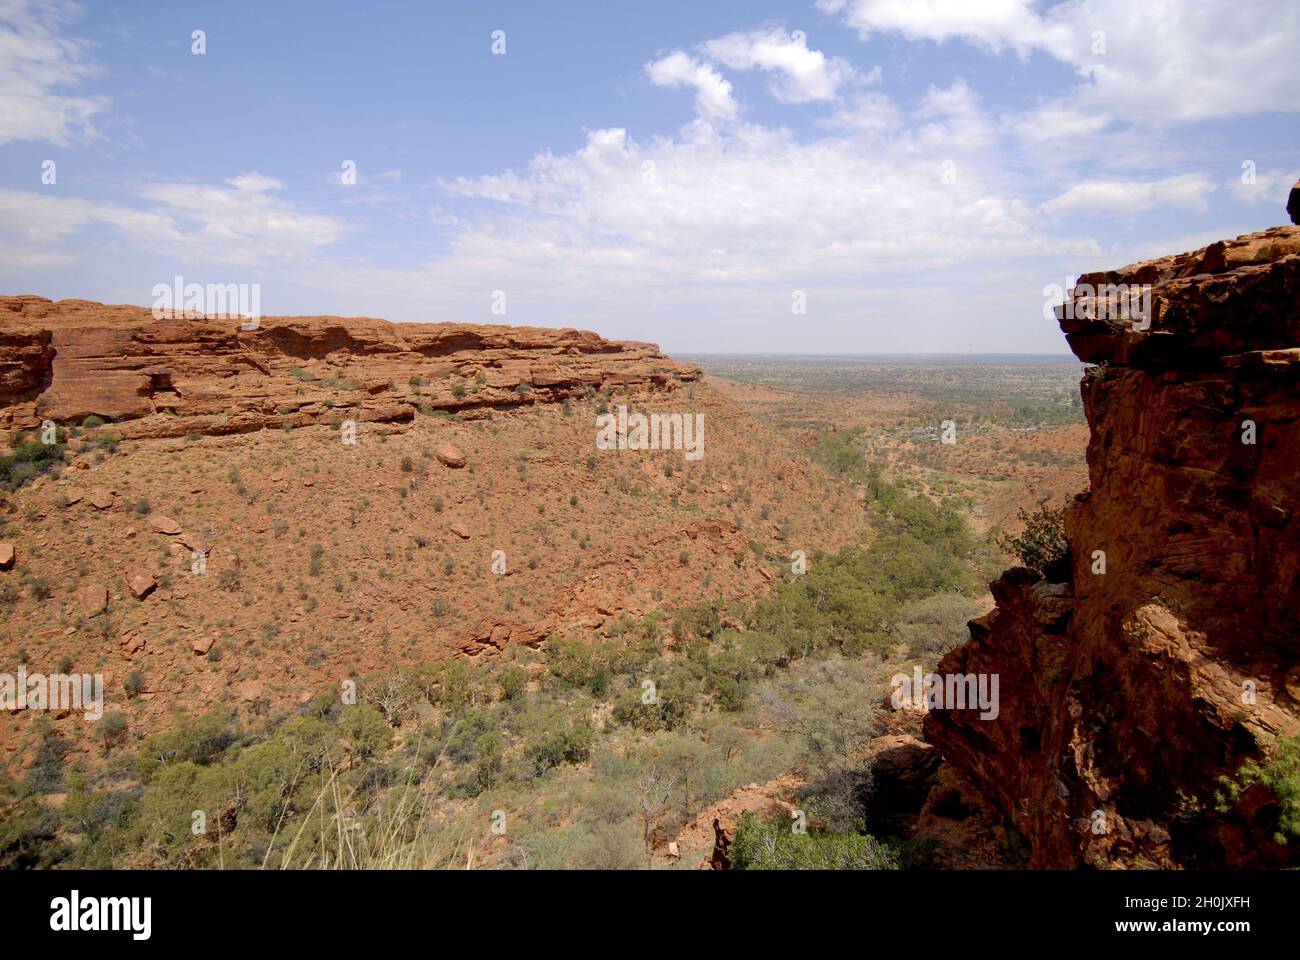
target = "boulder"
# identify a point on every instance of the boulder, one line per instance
(163, 524)
(93, 599)
(140, 582)
(1293, 203)
(460, 530)
(196, 542)
(101, 498)
(449, 456)
(6, 556)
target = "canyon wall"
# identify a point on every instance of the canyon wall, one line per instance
(1126, 694)
(67, 360)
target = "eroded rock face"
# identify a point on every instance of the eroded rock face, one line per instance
(1126, 695)
(71, 359)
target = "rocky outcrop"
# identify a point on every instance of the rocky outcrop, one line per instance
(26, 358)
(68, 360)
(1168, 654)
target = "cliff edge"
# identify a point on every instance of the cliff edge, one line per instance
(70, 359)
(1163, 653)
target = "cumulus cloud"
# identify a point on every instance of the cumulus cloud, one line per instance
(38, 66)
(803, 75)
(1262, 186)
(994, 24)
(239, 223)
(1187, 191)
(713, 99)
(753, 204)
(869, 113)
(242, 222)
(1160, 63)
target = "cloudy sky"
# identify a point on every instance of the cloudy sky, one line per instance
(680, 172)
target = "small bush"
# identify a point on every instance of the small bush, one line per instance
(1041, 545)
(1281, 775)
(774, 846)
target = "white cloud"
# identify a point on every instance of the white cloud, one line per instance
(1056, 123)
(242, 224)
(1269, 186)
(804, 75)
(993, 24)
(754, 205)
(255, 183)
(37, 65)
(44, 220)
(1162, 63)
(1187, 191)
(713, 99)
(869, 113)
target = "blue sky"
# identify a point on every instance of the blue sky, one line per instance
(914, 172)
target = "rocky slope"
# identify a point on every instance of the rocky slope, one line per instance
(1126, 694)
(323, 560)
(71, 359)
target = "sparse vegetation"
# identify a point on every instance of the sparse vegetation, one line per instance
(1041, 545)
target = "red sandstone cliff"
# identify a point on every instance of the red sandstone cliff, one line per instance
(70, 359)
(1126, 695)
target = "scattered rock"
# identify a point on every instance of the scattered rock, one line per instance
(93, 599)
(449, 456)
(195, 542)
(141, 583)
(460, 530)
(163, 524)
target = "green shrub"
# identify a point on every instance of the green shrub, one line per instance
(197, 740)
(1281, 775)
(28, 460)
(513, 679)
(1041, 545)
(490, 750)
(774, 845)
(558, 741)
